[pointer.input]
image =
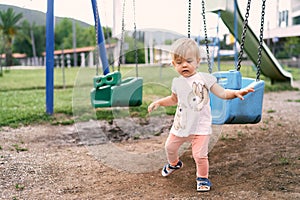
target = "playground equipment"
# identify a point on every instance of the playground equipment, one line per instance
(270, 67)
(236, 111)
(109, 89)
(49, 57)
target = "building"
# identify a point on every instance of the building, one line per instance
(287, 22)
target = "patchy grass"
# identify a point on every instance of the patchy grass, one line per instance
(284, 161)
(19, 187)
(297, 100)
(271, 111)
(18, 148)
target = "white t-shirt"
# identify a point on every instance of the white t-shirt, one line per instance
(193, 113)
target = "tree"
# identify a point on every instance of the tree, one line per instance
(292, 47)
(84, 36)
(130, 52)
(23, 41)
(8, 25)
(62, 31)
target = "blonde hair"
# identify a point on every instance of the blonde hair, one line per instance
(183, 45)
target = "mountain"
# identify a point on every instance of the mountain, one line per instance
(158, 36)
(37, 16)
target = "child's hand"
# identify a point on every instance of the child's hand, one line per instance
(153, 106)
(243, 92)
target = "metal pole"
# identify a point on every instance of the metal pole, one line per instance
(63, 66)
(219, 45)
(100, 38)
(33, 47)
(74, 44)
(49, 57)
(235, 33)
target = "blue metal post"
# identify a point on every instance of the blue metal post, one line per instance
(49, 57)
(101, 42)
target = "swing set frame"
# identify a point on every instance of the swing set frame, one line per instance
(110, 91)
(130, 89)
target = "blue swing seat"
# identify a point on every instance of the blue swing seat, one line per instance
(110, 91)
(236, 111)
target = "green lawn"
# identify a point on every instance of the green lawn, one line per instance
(22, 93)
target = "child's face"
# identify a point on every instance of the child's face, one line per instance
(186, 66)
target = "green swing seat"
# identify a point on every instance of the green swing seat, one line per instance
(111, 91)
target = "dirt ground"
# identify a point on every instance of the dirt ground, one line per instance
(253, 161)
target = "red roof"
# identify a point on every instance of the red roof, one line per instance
(79, 50)
(16, 55)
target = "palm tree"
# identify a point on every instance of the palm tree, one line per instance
(8, 26)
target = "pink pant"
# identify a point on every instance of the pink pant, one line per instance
(199, 150)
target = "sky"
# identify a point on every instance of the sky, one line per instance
(169, 15)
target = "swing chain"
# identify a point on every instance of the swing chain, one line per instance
(134, 34)
(135, 40)
(243, 37)
(205, 37)
(260, 40)
(122, 36)
(189, 19)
